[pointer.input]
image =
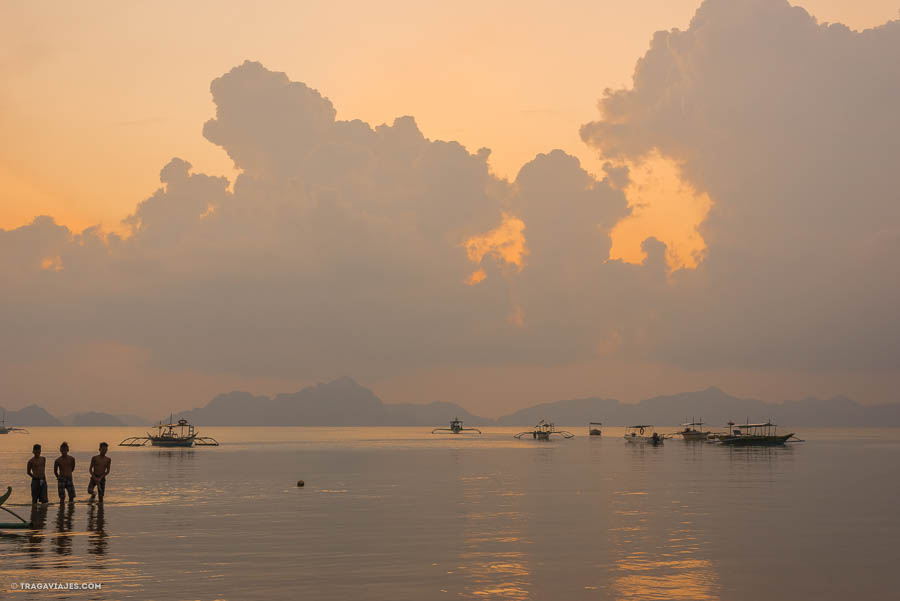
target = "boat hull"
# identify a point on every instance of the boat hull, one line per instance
(694, 435)
(643, 440)
(172, 443)
(757, 441)
(23, 524)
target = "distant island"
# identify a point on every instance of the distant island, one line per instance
(34, 415)
(344, 402)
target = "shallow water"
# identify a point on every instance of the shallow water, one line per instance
(398, 513)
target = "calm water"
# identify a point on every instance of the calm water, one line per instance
(397, 513)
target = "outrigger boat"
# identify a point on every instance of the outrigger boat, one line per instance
(4, 429)
(22, 524)
(543, 430)
(639, 433)
(180, 434)
(691, 433)
(594, 429)
(456, 427)
(756, 434)
(718, 436)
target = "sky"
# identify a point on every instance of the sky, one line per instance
(711, 204)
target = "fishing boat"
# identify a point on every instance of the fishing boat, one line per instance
(4, 429)
(692, 431)
(456, 427)
(178, 434)
(543, 430)
(594, 429)
(644, 433)
(22, 524)
(718, 436)
(764, 434)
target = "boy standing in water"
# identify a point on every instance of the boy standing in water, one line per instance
(63, 468)
(35, 469)
(99, 468)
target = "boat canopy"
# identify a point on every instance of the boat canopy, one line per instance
(181, 422)
(543, 430)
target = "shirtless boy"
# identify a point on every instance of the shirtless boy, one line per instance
(35, 469)
(99, 469)
(63, 468)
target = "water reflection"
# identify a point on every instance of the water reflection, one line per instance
(644, 457)
(645, 578)
(62, 542)
(495, 568)
(660, 547)
(750, 454)
(758, 464)
(35, 538)
(97, 540)
(179, 454)
(493, 556)
(79, 548)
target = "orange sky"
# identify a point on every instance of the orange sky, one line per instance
(95, 98)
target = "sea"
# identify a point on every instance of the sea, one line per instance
(402, 514)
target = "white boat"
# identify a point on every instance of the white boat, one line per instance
(693, 431)
(643, 433)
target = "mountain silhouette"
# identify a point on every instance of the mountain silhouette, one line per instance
(344, 402)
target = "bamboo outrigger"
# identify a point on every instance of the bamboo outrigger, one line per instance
(20, 525)
(543, 430)
(179, 434)
(456, 427)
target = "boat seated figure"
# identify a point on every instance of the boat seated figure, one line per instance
(643, 433)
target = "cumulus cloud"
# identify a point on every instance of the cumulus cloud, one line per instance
(343, 248)
(618, 175)
(340, 248)
(792, 129)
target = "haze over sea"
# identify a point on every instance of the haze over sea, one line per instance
(398, 513)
